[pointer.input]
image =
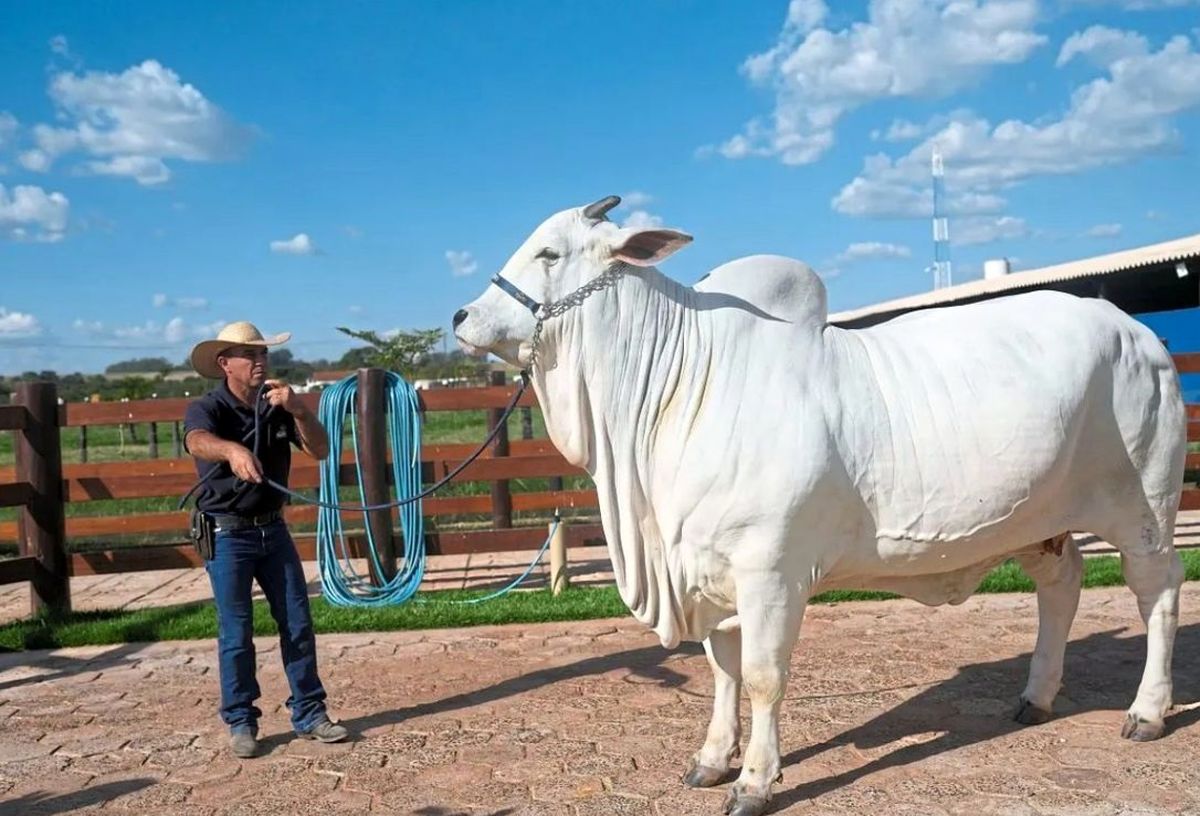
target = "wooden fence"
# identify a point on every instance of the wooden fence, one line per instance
(41, 485)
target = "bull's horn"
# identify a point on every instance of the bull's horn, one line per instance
(598, 210)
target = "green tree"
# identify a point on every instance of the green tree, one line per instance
(401, 352)
(136, 388)
(140, 365)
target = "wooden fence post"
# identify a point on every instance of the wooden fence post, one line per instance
(83, 444)
(501, 497)
(558, 558)
(176, 441)
(43, 527)
(153, 440)
(526, 422)
(372, 456)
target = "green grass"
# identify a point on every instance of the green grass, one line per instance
(436, 611)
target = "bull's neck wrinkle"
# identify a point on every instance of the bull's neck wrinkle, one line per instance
(615, 361)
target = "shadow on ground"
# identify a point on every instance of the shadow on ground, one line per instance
(48, 804)
(646, 663)
(1102, 673)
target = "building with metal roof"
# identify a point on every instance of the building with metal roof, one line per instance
(1154, 278)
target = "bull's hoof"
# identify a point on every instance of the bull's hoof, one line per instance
(744, 804)
(1141, 730)
(1029, 714)
(703, 776)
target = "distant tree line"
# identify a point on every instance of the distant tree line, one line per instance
(409, 353)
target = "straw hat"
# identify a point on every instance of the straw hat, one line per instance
(204, 354)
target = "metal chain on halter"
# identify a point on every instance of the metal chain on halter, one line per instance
(602, 281)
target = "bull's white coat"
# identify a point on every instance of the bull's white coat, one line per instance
(748, 455)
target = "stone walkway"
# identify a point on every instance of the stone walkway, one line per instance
(893, 709)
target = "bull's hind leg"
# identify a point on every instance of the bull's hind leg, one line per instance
(1154, 572)
(1154, 578)
(770, 610)
(1057, 569)
(710, 764)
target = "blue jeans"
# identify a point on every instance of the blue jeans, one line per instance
(268, 555)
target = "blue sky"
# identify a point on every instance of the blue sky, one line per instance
(311, 165)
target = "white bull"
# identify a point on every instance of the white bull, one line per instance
(748, 455)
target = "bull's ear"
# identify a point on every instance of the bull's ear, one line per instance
(648, 247)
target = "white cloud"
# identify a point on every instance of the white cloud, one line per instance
(867, 250)
(1117, 118)
(355, 310)
(461, 263)
(161, 300)
(905, 49)
(176, 330)
(30, 213)
(902, 130)
(129, 123)
(151, 334)
(18, 324)
(352, 231)
(1154, 215)
(298, 244)
(34, 161)
(143, 169)
(636, 199)
(1104, 231)
(88, 326)
(60, 46)
(1101, 45)
(969, 231)
(633, 205)
(640, 219)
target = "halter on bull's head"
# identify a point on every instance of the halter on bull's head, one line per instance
(569, 251)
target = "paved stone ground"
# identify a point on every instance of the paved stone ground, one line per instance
(893, 708)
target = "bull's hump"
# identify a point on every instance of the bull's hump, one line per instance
(781, 288)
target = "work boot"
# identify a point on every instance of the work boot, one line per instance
(244, 743)
(325, 731)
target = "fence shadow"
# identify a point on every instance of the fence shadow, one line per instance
(1102, 673)
(135, 634)
(646, 662)
(50, 804)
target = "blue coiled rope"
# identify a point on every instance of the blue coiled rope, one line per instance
(341, 584)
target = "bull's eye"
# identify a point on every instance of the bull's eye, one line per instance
(548, 255)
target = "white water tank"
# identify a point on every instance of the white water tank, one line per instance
(995, 268)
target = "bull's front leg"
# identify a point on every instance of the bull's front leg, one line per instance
(710, 764)
(770, 609)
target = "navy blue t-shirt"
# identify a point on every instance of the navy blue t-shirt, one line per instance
(221, 413)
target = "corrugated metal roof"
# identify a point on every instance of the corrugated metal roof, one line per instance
(1175, 250)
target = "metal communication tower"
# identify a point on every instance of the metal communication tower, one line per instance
(942, 275)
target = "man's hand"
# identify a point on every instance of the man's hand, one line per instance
(245, 465)
(281, 394)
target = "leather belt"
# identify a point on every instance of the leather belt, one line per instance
(226, 523)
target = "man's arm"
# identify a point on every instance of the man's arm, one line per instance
(209, 446)
(312, 436)
(313, 439)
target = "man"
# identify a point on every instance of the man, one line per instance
(250, 539)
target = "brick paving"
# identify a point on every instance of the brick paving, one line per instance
(894, 708)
